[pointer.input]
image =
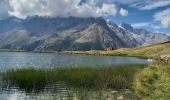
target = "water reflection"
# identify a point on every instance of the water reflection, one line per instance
(66, 95)
(61, 91)
(12, 60)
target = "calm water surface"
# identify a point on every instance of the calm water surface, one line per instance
(13, 60)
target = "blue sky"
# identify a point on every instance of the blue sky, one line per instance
(153, 15)
(142, 18)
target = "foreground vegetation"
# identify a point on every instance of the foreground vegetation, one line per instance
(120, 77)
(153, 83)
(149, 82)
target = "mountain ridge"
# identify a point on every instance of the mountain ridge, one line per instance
(43, 34)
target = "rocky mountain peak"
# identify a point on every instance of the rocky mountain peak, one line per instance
(72, 33)
(100, 21)
(127, 26)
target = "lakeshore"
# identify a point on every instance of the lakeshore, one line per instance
(140, 80)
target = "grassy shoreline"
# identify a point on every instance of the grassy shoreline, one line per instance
(102, 53)
(153, 82)
(151, 51)
(10, 50)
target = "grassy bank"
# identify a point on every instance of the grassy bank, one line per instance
(9, 50)
(120, 77)
(153, 83)
(151, 51)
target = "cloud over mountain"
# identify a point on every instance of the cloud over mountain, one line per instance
(163, 17)
(133, 11)
(4, 7)
(54, 8)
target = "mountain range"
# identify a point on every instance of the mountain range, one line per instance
(44, 34)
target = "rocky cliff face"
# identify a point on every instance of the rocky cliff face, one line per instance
(144, 37)
(57, 34)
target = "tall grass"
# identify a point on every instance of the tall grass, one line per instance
(120, 77)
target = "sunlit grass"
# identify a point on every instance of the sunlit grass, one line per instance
(153, 83)
(151, 51)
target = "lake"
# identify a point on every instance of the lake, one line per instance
(15, 60)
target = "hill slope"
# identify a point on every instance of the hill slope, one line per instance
(153, 51)
(146, 51)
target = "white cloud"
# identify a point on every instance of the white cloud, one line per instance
(163, 17)
(107, 9)
(58, 8)
(141, 24)
(165, 22)
(156, 26)
(4, 7)
(150, 4)
(112, 1)
(140, 4)
(157, 31)
(123, 12)
(156, 4)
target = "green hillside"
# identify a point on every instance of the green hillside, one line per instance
(146, 51)
(152, 51)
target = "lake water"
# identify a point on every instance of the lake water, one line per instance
(13, 60)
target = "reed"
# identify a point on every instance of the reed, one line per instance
(120, 77)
